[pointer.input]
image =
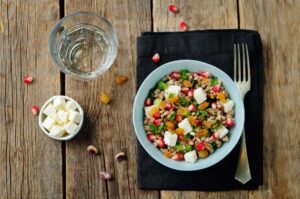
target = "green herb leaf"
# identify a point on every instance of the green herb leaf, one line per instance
(171, 95)
(214, 81)
(160, 127)
(204, 113)
(184, 74)
(216, 125)
(171, 117)
(153, 128)
(162, 86)
(188, 148)
(179, 147)
(186, 137)
(183, 101)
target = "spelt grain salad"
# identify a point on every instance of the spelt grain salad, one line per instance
(188, 115)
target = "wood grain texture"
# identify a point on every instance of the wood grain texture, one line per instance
(279, 26)
(108, 127)
(30, 162)
(199, 14)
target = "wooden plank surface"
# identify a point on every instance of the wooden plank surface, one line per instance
(30, 162)
(197, 15)
(278, 24)
(108, 127)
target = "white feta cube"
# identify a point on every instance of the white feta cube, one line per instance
(59, 103)
(71, 127)
(221, 131)
(48, 123)
(74, 116)
(63, 116)
(173, 89)
(200, 95)
(170, 138)
(57, 131)
(57, 119)
(148, 109)
(49, 110)
(71, 106)
(228, 105)
(190, 156)
(185, 125)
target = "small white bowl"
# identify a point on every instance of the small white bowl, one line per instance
(68, 137)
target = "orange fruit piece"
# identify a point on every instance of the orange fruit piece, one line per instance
(163, 105)
(182, 111)
(221, 97)
(202, 133)
(187, 83)
(168, 154)
(170, 125)
(153, 110)
(179, 131)
(203, 106)
(203, 153)
(205, 81)
(191, 119)
(104, 98)
(121, 79)
(173, 99)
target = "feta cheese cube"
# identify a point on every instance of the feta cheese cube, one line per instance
(199, 95)
(190, 156)
(57, 119)
(222, 131)
(71, 106)
(170, 138)
(71, 127)
(173, 89)
(48, 123)
(59, 103)
(63, 116)
(57, 131)
(148, 109)
(74, 116)
(228, 105)
(185, 125)
(49, 110)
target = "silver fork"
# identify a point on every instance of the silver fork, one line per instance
(243, 82)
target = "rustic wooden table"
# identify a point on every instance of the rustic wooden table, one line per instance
(35, 166)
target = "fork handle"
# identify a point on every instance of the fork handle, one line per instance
(242, 173)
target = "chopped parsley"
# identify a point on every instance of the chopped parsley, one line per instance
(214, 81)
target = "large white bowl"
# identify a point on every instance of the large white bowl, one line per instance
(195, 66)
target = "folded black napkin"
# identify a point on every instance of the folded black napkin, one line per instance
(214, 47)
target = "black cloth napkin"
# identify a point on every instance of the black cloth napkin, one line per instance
(214, 47)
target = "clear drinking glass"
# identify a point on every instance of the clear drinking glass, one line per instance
(83, 45)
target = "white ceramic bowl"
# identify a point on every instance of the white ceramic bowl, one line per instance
(194, 66)
(68, 137)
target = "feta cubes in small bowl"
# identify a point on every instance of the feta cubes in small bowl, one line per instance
(61, 117)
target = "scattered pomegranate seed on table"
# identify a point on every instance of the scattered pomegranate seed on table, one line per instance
(92, 150)
(105, 175)
(27, 80)
(35, 110)
(183, 26)
(155, 58)
(120, 156)
(173, 8)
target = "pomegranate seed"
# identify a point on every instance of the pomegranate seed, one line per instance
(27, 80)
(190, 93)
(156, 122)
(151, 137)
(213, 105)
(35, 110)
(178, 118)
(148, 102)
(178, 156)
(181, 137)
(216, 88)
(205, 74)
(192, 107)
(230, 122)
(175, 75)
(169, 106)
(184, 89)
(155, 58)
(216, 135)
(200, 146)
(197, 122)
(156, 115)
(160, 143)
(173, 8)
(190, 142)
(183, 26)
